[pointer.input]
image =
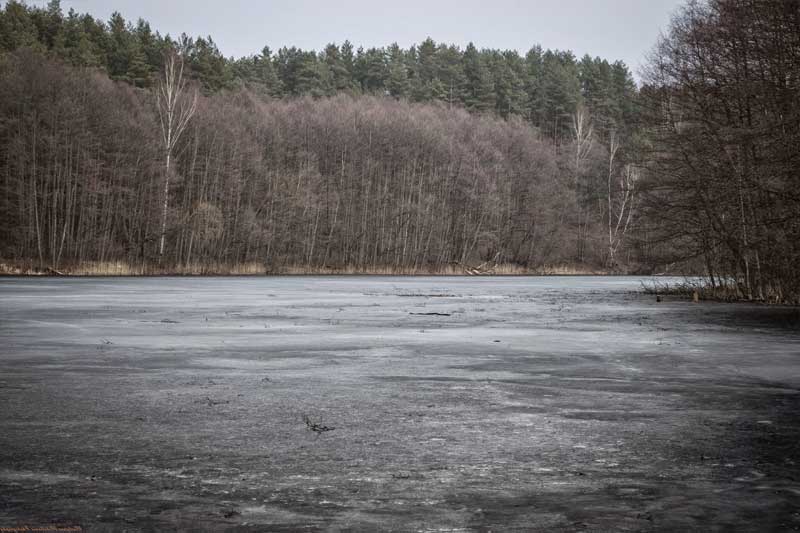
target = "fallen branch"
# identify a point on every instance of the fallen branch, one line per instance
(212, 403)
(316, 428)
(485, 268)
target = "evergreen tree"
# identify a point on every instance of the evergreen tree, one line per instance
(532, 81)
(625, 95)
(508, 72)
(50, 23)
(208, 65)
(79, 49)
(323, 80)
(138, 70)
(451, 73)
(559, 93)
(341, 79)
(301, 73)
(371, 70)
(597, 92)
(426, 85)
(120, 48)
(17, 28)
(266, 75)
(479, 89)
(348, 60)
(152, 45)
(397, 82)
(97, 35)
(287, 63)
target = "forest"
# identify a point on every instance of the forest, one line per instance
(121, 146)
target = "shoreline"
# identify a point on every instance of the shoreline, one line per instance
(120, 269)
(338, 274)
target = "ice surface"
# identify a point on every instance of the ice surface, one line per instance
(553, 403)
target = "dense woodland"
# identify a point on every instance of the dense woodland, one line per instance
(118, 144)
(544, 86)
(722, 105)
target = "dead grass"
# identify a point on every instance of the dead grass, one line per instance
(242, 269)
(107, 268)
(7, 269)
(569, 270)
(694, 289)
(122, 268)
(441, 270)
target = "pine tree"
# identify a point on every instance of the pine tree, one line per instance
(509, 85)
(341, 79)
(348, 60)
(479, 90)
(397, 82)
(17, 28)
(208, 65)
(120, 48)
(138, 70)
(451, 73)
(52, 31)
(426, 84)
(371, 70)
(266, 75)
(625, 96)
(78, 46)
(533, 82)
(559, 93)
(152, 45)
(300, 72)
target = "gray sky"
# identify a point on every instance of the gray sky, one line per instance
(612, 29)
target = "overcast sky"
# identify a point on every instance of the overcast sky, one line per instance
(612, 29)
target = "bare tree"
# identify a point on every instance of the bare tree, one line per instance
(721, 98)
(175, 109)
(583, 134)
(621, 200)
(336, 182)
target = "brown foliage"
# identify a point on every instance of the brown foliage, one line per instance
(334, 184)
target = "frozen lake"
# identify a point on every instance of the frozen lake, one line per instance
(422, 403)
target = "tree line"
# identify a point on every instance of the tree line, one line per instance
(544, 86)
(332, 182)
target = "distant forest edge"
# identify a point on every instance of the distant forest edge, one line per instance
(124, 151)
(544, 86)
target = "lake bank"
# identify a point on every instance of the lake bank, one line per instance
(117, 268)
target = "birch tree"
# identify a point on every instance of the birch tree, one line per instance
(621, 208)
(583, 135)
(621, 197)
(175, 109)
